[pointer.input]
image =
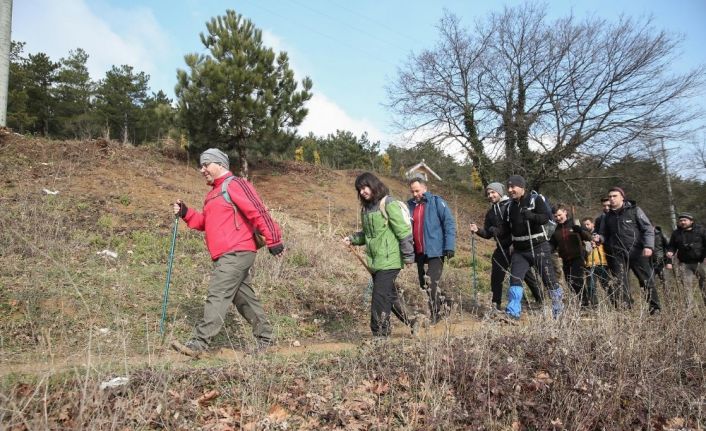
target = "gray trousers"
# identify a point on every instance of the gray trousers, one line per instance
(231, 283)
(698, 270)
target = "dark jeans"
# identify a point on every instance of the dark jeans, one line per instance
(641, 266)
(499, 268)
(434, 268)
(573, 273)
(521, 261)
(385, 301)
(599, 275)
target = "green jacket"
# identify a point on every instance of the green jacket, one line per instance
(389, 243)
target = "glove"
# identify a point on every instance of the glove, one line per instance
(182, 210)
(448, 254)
(276, 250)
(527, 214)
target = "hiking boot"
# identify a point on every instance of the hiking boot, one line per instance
(414, 325)
(261, 345)
(193, 348)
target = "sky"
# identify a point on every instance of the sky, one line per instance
(351, 50)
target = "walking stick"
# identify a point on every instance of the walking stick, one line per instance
(165, 296)
(368, 290)
(474, 284)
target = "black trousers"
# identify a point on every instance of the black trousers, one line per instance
(385, 301)
(641, 266)
(432, 267)
(573, 273)
(521, 261)
(498, 271)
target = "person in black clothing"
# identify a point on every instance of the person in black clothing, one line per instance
(659, 257)
(688, 245)
(629, 239)
(605, 205)
(568, 240)
(501, 256)
(527, 214)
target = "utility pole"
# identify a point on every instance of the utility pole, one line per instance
(5, 38)
(672, 212)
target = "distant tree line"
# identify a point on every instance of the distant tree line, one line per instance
(60, 100)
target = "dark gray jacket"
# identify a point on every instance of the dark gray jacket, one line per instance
(627, 229)
(689, 245)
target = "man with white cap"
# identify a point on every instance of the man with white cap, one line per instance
(230, 223)
(688, 245)
(495, 192)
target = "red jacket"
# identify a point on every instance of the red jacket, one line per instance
(226, 229)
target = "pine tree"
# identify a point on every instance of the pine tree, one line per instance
(73, 93)
(121, 96)
(239, 96)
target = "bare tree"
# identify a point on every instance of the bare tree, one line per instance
(437, 93)
(549, 91)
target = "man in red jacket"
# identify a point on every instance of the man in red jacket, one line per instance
(229, 233)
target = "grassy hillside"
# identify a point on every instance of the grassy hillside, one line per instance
(72, 318)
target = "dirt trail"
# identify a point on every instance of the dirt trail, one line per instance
(163, 356)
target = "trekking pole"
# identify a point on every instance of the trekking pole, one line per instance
(165, 296)
(369, 289)
(473, 263)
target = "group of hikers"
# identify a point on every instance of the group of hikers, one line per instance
(528, 234)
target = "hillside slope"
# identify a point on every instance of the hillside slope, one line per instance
(108, 197)
(72, 320)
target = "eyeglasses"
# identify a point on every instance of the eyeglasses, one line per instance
(205, 165)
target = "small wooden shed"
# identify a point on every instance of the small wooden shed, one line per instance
(421, 170)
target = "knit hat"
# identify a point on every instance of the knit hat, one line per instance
(517, 181)
(617, 189)
(214, 155)
(496, 187)
(686, 215)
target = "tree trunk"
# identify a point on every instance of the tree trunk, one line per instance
(244, 168)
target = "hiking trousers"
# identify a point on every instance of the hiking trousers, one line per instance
(573, 274)
(498, 271)
(434, 268)
(598, 274)
(231, 283)
(522, 261)
(386, 301)
(698, 270)
(641, 266)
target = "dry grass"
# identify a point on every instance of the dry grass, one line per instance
(72, 319)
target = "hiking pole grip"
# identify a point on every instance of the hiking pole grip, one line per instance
(165, 296)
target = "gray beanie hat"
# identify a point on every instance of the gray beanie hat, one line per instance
(499, 188)
(686, 215)
(214, 155)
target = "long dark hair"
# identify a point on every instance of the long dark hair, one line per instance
(379, 189)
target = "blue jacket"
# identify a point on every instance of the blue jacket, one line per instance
(439, 225)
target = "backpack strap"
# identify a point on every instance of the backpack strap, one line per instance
(224, 189)
(383, 210)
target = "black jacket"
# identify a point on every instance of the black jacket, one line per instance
(689, 245)
(627, 229)
(518, 215)
(494, 218)
(568, 240)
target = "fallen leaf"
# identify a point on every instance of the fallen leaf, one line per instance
(207, 397)
(557, 424)
(277, 413)
(381, 388)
